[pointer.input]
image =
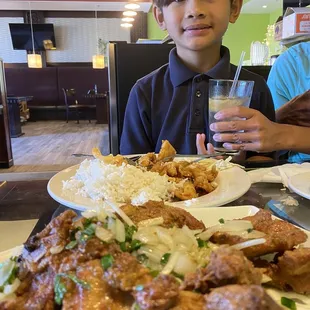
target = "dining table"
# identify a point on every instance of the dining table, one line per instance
(26, 207)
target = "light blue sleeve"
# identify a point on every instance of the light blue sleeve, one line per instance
(282, 79)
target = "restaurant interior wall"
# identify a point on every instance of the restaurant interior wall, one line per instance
(249, 27)
(75, 38)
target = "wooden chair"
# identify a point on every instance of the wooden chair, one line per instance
(73, 106)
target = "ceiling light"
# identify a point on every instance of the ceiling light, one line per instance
(264, 6)
(128, 19)
(132, 6)
(129, 13)
(126, 25)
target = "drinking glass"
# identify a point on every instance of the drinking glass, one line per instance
(219, 99)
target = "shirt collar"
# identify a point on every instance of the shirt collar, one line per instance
(180, 73)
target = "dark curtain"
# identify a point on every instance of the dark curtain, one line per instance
(139, 28)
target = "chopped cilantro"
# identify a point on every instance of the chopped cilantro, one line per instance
(60, 288)
(129, 231)
(288, 303)
(250, 230)
(107, 261)
(123, 246)
(71, 245)
(165, 258)
(202, 243)
(135, 245)
(177, 275)
(222, 221)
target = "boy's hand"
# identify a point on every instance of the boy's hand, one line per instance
(260, 134)
(200, 144)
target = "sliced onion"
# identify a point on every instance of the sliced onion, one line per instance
(153, 254)
(255, 234)
(120, 234)
(89, 214)
(247, 244)
(120, 212)
(147, 236)
(103, 234)
(4, 297)
(6, 269)
(229, 226)
(171, 263)
(189, 233)
(112, 225)
(101, 214)
(56, 249)
(196, 231)
(164, 236)
(184, 264)
(266, 279)
(11, 288)
(152, 222)
(179, 237)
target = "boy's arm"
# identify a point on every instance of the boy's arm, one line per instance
(137, 131)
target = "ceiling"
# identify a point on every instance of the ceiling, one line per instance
(57, 5)
(256, 6)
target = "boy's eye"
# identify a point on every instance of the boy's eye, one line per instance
(178, 1)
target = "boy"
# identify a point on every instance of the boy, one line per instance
(171, 103)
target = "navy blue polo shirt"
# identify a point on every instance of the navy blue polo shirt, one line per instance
(171, 103)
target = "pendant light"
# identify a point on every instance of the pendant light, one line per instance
(34, 60)
(98, 60)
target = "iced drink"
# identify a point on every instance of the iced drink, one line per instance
(219, 99)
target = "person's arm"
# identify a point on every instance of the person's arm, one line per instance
(137, 130)
(260, 134)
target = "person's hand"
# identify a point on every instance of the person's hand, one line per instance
(200, 144)
(260, 134)
(295, 112)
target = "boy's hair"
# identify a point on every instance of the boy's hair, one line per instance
(162, 3)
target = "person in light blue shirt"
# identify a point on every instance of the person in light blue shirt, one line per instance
(290, 77)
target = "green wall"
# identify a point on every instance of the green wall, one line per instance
(239, 36)
(153, 30)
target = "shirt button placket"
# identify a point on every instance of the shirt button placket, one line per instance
(198, 93)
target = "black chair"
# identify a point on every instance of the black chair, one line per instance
(73, 106)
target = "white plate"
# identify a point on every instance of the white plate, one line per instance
(210, 216)
(232, 184)
(300, 184)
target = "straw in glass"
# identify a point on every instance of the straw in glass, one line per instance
(234, 85)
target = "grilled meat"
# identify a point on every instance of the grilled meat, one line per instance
(126, 273)
(172, 216)
(280, 235)
(240, 297)
(189, 301)
(226, 266)
(100, 296)
(293, 271)
(160, 294)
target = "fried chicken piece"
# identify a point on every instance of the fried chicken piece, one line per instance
(226, 266)
(187, 191)
(172, 216)
(117, 160)
(166, 150)
(99, 295)
(160, 294)
(126, 273)
(240, 297)
(203, 177)
(147, 160)
(293, 271)
(280, 235)
(189, 301)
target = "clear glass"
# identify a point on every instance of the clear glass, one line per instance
(219, 99)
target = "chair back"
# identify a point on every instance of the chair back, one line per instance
(69, 95)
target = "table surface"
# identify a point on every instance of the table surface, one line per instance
(22, 203)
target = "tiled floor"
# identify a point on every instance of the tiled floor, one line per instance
(49, 145)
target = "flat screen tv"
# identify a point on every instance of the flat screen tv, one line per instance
(43, 37)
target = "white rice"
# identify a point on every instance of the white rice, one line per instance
(125, 183)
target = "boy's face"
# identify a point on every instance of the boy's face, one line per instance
(197, 24)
